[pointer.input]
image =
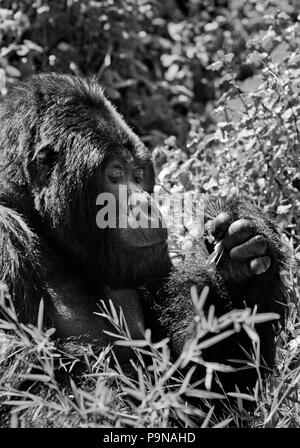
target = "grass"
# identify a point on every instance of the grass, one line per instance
(40, 385)
(247, 143)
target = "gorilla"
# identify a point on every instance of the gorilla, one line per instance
(64, 150)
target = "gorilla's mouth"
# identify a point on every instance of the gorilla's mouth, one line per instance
(142, 238)
(140, 245)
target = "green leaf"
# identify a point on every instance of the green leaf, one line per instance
(280, 53)
(287, 114)
(229, 57)
(215, 66)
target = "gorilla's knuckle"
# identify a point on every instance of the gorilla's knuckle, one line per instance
(240, 225)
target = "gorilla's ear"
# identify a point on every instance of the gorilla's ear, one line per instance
(45, 157)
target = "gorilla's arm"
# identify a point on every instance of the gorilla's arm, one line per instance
(248, 273)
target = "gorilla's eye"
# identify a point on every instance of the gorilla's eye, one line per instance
(116, 174)
(51, 159)
(138, 175)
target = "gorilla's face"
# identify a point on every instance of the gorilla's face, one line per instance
(136, 235)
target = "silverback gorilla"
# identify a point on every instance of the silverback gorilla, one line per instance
(62, 143)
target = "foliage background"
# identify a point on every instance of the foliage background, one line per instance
(211, 86)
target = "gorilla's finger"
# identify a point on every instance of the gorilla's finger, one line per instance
(255, 247)
(220, 224)
(239, 232)
(260, 265)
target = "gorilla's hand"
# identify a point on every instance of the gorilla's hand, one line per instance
(245, 250)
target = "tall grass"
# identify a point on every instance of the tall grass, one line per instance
(39, 386)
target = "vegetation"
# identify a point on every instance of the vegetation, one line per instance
(214, 91)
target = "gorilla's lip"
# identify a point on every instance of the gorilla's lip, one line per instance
(142, 238)
(148, 245)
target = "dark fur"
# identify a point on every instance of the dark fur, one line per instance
(19, 266)
(56, 133)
